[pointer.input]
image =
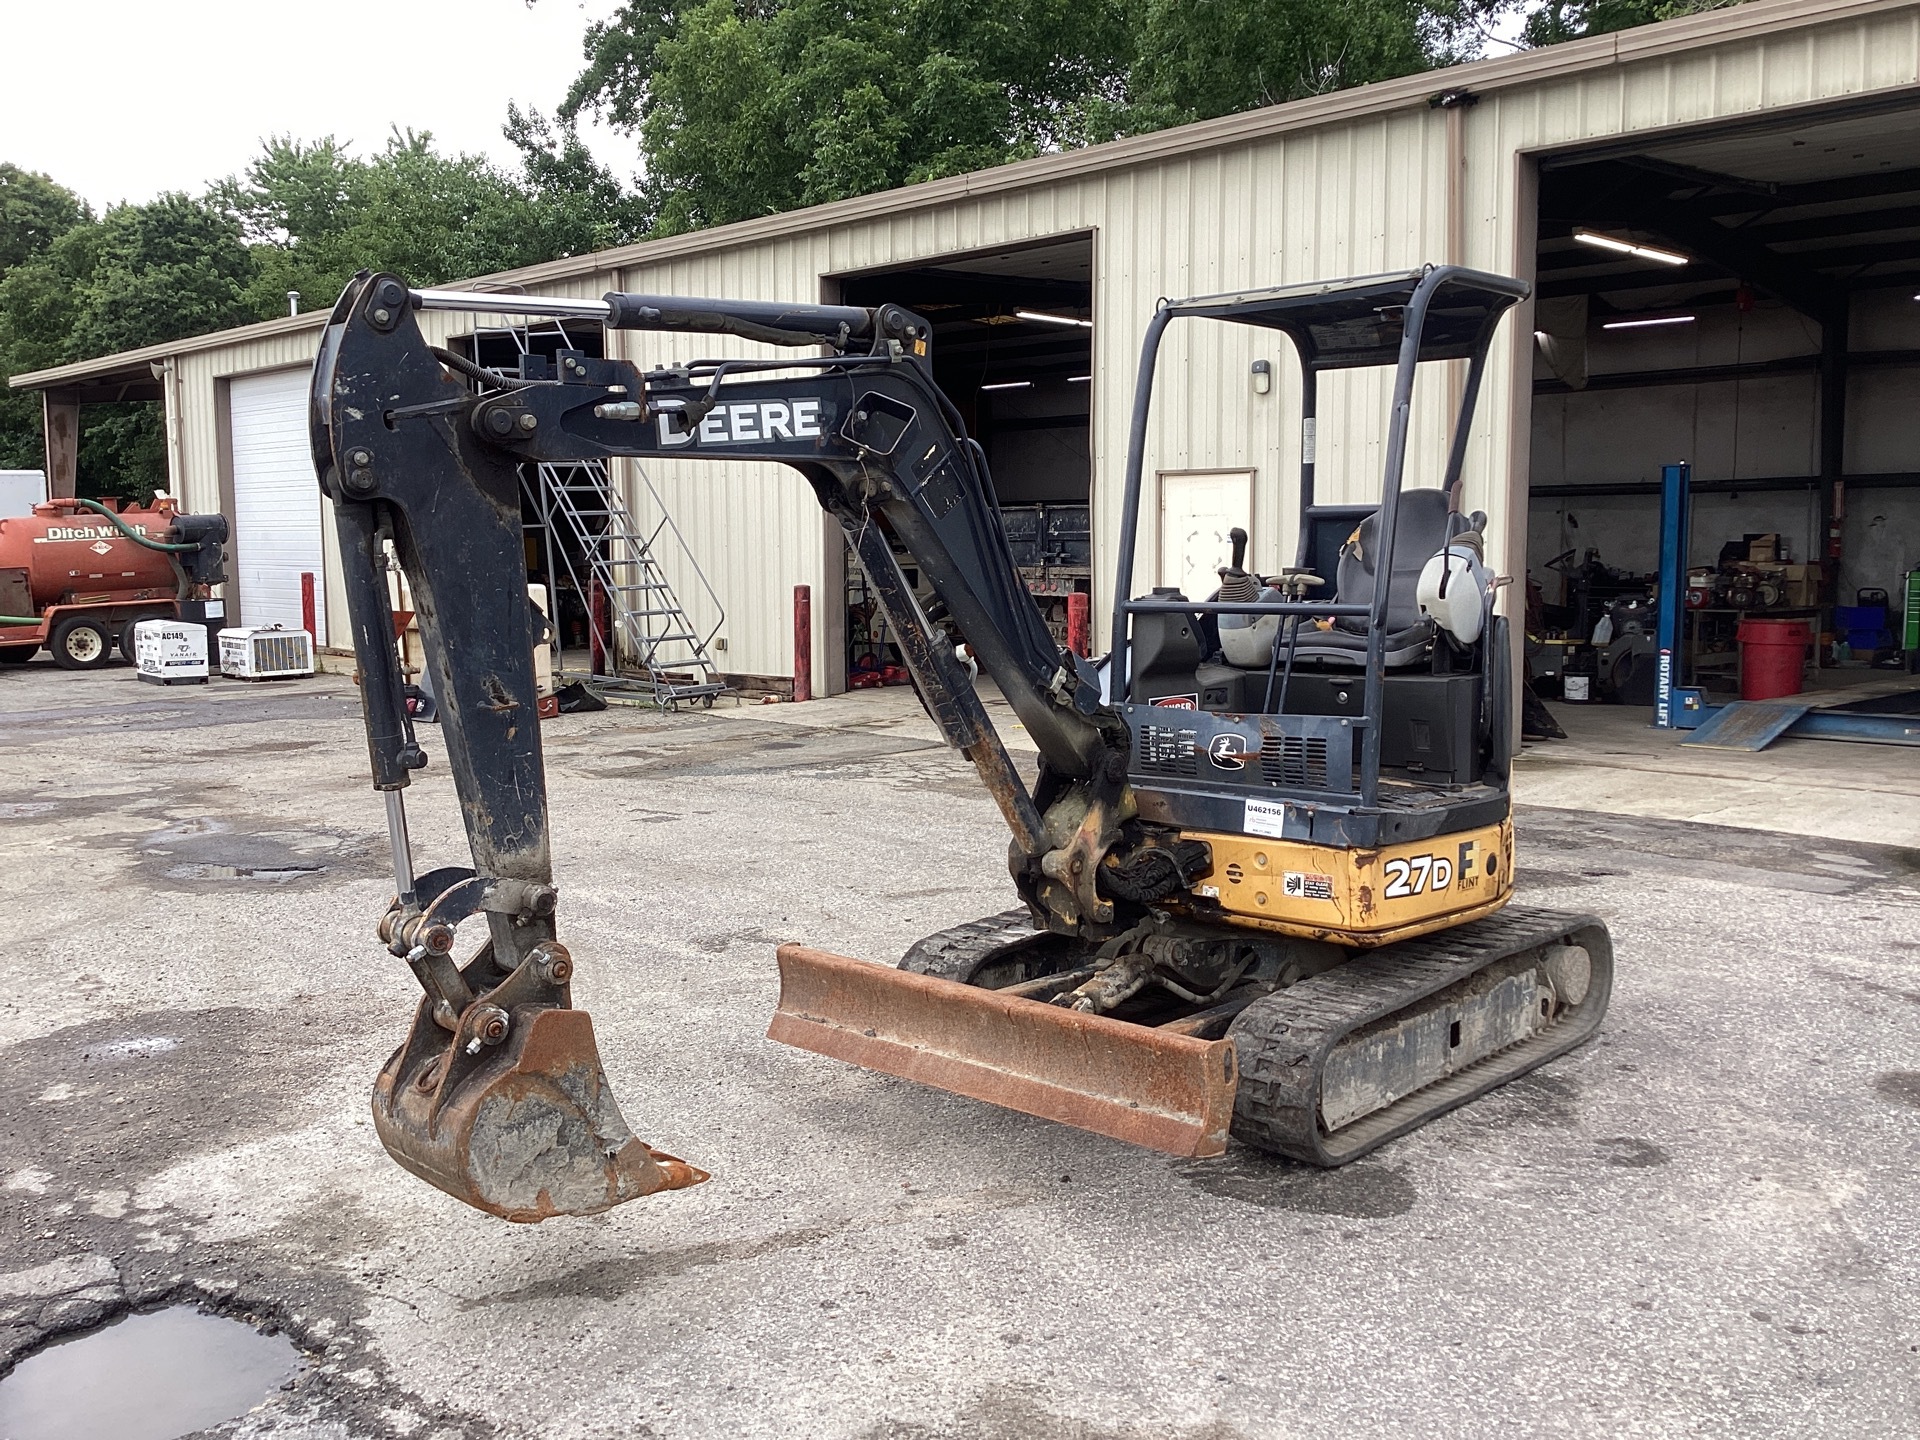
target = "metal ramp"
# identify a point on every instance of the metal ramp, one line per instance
(652, 645)
(1748, 724)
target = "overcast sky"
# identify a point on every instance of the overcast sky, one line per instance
(122, 99)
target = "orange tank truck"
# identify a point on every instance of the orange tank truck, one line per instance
(76, 576)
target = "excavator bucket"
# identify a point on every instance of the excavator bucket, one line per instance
(525, 1129)
(1148, 1087)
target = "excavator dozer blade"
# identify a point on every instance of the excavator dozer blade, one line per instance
(1148, 1087)
(526, 1129)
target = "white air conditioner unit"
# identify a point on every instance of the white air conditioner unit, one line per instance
(265, 652)
(167, 652)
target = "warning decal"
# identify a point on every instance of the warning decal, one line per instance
(1304, 885)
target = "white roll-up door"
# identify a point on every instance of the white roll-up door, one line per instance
(276, 500)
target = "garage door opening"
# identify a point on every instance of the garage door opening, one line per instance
(599, 554)
(1013, 350)
(555, 555)
(1743, 301)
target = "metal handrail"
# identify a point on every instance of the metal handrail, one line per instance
(1245, 607)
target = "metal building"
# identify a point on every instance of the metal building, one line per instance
(1433, 167)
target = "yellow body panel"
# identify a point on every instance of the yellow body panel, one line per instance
(1355, 897)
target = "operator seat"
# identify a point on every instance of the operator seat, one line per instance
(1427, 522)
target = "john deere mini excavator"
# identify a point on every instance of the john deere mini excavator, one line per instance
(1263, 870)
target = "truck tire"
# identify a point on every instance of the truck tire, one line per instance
(78, 643)
(17, 654)
(123, 637)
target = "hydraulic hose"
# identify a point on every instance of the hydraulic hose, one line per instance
(128, 531)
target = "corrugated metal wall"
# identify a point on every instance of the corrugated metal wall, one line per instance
(1335, 197)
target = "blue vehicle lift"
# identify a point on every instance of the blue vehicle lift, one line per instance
(1743, 724)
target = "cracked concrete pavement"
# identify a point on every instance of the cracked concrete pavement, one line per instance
(1701, 1224)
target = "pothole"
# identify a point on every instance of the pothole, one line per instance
(270, 874)
(146, 1376)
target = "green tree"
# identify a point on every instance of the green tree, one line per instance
(1197, 59)
(34, 212)
(579, 205)
(1555, 20)
(141, 275)
(304, 216)
(312, 214)
(747, 107)
(174, 266)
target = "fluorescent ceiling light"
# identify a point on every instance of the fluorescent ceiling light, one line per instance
(1627, 247)
(1010, 385)
(1047, 319)
(1083, 379)
(1650, 320)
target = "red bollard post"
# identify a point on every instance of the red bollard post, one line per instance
(596, 637)
(1079, 622)
(309, 620)
(802, 642)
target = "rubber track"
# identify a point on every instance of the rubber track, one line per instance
(1284, 1039)
(956, 953)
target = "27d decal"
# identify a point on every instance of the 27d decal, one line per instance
(1417, 875)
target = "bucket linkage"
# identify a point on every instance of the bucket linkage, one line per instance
(498, 1095)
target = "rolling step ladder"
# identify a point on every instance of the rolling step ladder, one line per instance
(666, 656)
(655, 648)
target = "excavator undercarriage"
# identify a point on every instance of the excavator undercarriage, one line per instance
(1307, 1051)
(1264, 867)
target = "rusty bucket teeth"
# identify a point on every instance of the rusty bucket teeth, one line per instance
(1148, 1087)
(526, 1129)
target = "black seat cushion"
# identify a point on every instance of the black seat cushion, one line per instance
(1426, 522)
(1425, 525)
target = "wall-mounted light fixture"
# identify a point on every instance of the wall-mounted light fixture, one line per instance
(1262, 376)
(1009, 385)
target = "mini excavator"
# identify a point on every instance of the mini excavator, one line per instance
(1263, 870)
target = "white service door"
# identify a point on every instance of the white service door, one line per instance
(1197, 509)
(276, 501)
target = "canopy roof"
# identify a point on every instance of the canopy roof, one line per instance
(1346, 324)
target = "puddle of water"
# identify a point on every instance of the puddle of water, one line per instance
(141, 1047)
(272, 874)
(153, 1376)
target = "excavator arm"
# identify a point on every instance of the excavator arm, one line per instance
(499, 1096)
